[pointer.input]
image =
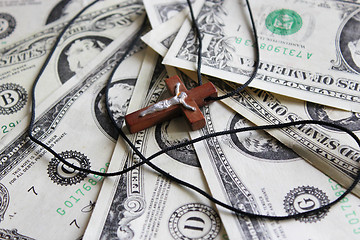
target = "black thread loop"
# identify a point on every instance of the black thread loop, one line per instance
(145, 160)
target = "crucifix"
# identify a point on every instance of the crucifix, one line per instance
(186, 102)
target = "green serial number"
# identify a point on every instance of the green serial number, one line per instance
(80, 192)
(351, 217)
(6, 128)
(276, 49)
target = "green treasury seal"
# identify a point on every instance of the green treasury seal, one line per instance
(283, 22)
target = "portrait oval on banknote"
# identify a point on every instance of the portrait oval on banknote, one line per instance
(348, 41)
(120, 92)
(168, 10)
(77, 53)
(258, 144)
(63, 9)
(350, 120)
(174, 132)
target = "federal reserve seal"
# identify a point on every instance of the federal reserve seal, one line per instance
(7, 25)
(13, 97)
(61, 174)
(4, 201)
(283, 22)
(194, 221)
(303, 199)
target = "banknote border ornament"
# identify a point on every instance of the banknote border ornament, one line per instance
(54, 168)
(13, 234)
(11, 24)
(320, 196)
(4, 198)
(22, 95)
(293, 18)
(174, 221)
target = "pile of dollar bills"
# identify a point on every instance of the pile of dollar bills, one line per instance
(308, 70)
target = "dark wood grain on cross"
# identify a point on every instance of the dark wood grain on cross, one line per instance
(195, 98)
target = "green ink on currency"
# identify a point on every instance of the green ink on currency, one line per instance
(283, 22)
(7, 127)
(81, 192)
(348, 210)
(274, 48)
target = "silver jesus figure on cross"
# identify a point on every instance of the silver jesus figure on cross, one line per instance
(183, 102)
(179, 98)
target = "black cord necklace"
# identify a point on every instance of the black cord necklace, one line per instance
(147, 161)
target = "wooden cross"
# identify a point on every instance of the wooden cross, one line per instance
(186, 102)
